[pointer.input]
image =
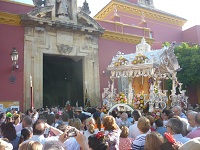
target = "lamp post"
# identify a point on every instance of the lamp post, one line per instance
(14, 57)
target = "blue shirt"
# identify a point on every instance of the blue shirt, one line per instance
(161, 130)
(180, 138)
(182, 115)
(15, 143)
(130, 119)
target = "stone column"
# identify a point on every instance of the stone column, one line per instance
(91, 77)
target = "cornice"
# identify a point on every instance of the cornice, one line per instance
(10, 19)
(136, 10)
(122, 37)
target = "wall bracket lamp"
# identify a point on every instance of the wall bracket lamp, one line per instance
(14, 57)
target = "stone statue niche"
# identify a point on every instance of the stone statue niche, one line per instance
(62, 9)
(65, 10)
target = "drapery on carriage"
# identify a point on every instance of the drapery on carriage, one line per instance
(152, 67)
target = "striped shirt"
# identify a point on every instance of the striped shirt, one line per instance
(139, 142)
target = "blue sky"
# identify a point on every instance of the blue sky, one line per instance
(186, 9)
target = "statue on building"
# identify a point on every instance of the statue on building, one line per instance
(115, 11)
(62, 8)
(85, 8)
(49, 2)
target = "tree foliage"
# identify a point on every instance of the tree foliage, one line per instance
(189, 60)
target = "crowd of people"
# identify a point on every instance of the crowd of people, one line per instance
(57, 128)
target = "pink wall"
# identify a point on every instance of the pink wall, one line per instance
(161, 31)
(192, 35)
(11, 36)
(15, 8)
(108, 49)
(112, 26)
(164, 32)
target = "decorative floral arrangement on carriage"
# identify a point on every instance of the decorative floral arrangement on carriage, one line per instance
(139, 59)
(121, 61)
(121, 98)
(138, 101)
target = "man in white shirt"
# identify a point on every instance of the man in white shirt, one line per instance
(26, 123)
(133, 129)
(191, 120)
(38, 132)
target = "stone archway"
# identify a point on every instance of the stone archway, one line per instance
(65, 43)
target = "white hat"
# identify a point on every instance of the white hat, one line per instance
(193, 144)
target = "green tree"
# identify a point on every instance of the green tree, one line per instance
(189, 60)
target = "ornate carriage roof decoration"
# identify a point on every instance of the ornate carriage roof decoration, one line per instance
(160, 63)
(145, 62)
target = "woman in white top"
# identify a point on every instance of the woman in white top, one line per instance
(90, 124)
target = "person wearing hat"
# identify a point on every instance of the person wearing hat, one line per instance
(9, 117)
(77, 111)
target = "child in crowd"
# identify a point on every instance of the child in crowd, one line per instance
(124, 141)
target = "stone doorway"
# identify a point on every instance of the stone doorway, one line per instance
(74, 39)
(62, 80)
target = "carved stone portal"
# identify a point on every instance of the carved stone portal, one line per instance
(64, 49)
(75, 38)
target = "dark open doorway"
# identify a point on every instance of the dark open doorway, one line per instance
(62, 80)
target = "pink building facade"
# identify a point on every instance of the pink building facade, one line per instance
(126, 22)
(11, 36)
